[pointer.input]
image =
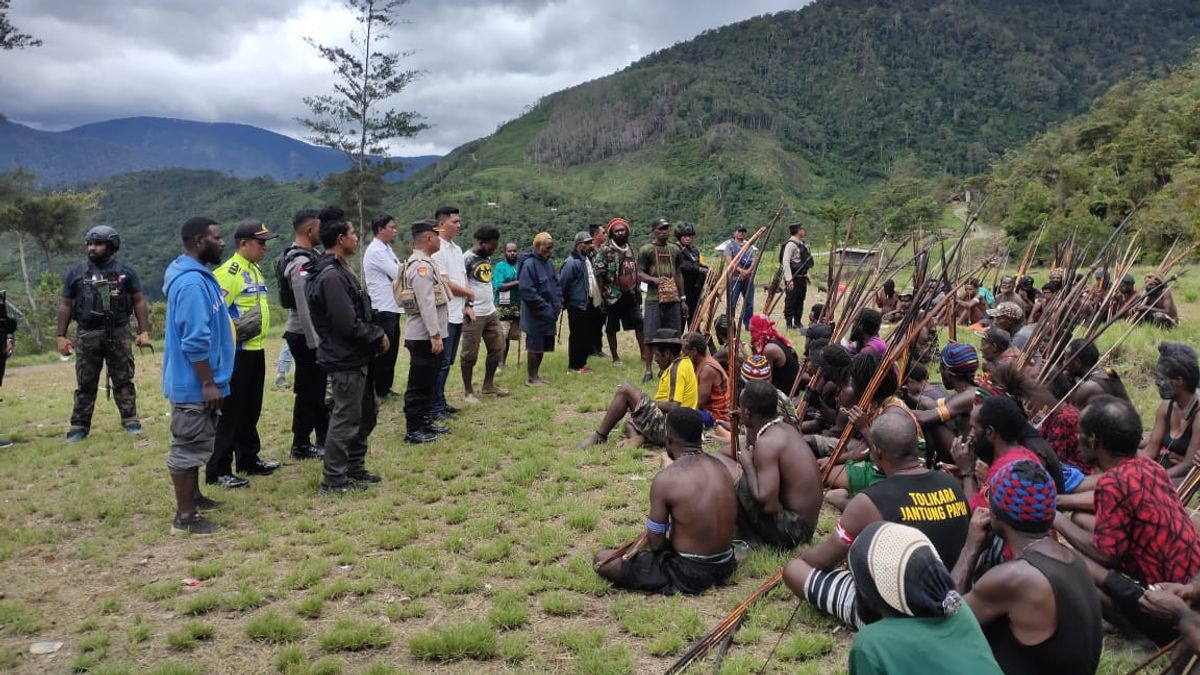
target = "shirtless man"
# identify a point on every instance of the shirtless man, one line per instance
(1039, 611)
(779, 495)
(885, 298)
(1158, 298)
(912, 495)
(970, 307)
(712, 382)
(1096, 381)
(692, 500)
(1008, 293)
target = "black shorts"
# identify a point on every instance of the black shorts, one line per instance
(1125, 592)
(668, 572)
(539, 344)
(624, 314)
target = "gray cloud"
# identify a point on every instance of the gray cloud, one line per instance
(246, 61)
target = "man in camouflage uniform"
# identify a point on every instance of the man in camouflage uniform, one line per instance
(616, 271)
(100, 295)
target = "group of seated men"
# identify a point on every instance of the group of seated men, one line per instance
(1039, 507)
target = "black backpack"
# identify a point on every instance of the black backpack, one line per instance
(287, 296)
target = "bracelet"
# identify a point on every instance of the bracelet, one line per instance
(654, 527)
(943, 411)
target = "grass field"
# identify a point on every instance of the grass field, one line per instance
(473, 554)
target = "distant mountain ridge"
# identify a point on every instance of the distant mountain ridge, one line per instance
(118, 146)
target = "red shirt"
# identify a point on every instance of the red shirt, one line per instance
(1016, 453)
(1141, 524)
(1061, 431)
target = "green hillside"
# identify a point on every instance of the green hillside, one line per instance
(148, 207)
(1139, 143)
(804, 105)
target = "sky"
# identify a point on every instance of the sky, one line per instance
(483, 61)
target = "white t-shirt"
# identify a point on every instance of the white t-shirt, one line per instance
(380, 266)
(449, 261)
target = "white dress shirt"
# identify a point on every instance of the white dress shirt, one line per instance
(380, 266)
(449, 261)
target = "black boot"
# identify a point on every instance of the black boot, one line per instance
(419, 436)
(433, 427)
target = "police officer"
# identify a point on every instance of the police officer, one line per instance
(795, 262)
(695, 272)
(425, 297)
(341, 313)
(244, 289)
(100, 295)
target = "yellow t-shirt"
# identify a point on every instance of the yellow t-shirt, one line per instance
(243, 287)
(684, 390)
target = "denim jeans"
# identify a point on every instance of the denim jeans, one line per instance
(449, 351)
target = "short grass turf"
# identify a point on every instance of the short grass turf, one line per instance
(474, 554)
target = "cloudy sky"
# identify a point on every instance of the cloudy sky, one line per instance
(246, 60)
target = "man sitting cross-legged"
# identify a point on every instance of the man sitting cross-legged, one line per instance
(690, 527)
(1143, 535)
(779, 493)
(677, 387)
(1039, 611)
(928, 500)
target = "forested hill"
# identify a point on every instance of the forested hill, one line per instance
(1138, 144)
(806, 104)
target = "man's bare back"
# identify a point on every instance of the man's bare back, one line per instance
(701, 501)
(799, 477)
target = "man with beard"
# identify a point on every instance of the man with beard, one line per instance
(508, 302)
(658, 268)
(581, 295)
(796, 262)
(1142, 535)
(99, 295)
(198, 352)
(1008, 293)
(616, 270)
(245, 289)
(695, 273)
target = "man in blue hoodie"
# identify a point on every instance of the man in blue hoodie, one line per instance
(198, 353)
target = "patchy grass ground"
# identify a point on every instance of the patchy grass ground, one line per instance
(472, 555)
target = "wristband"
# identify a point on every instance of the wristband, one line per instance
(654, 527)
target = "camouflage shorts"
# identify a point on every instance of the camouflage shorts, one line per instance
(650, 421)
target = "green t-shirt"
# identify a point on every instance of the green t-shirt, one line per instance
(950, 645)
(659, 261)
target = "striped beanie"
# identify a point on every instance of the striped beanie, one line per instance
(960, 358)
(756, 367)
(616, 221)
(1022, 494)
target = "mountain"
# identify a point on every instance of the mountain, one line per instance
(1140, 143)
(801, 106)
(119, 146)
(148, 207)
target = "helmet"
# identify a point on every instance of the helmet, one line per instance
(685, 229)
(105, 234)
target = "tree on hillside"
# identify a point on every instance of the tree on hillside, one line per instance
(351, 119)
(50, 222)
(10, 38)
